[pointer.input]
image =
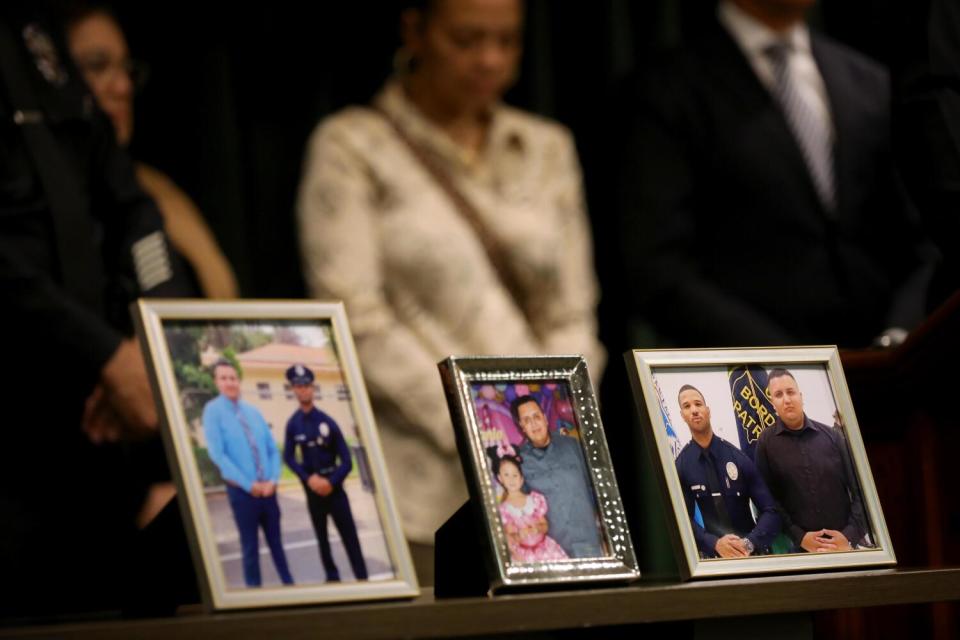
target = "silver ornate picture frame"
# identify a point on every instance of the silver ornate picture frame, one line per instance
(271, 438)
(790, 488)
(551, 510)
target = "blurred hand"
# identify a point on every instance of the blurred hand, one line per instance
(100, 422)
(121, 405)
(542, 525)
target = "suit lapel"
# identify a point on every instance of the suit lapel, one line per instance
(736, 69)
(736, 72)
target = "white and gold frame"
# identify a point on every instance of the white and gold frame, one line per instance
(477, 388)
(180, 340)
(740, 410)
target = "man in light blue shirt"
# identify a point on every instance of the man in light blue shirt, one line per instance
(240, 444)
(554, 466)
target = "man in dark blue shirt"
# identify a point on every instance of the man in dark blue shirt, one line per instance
(321, 445)
(719, 479)
(808, 468)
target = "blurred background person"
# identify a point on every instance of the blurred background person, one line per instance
(99, 49)
(760, 203)
(79, 242)
(449, 223)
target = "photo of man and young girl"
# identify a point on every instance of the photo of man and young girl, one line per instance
(547, 505)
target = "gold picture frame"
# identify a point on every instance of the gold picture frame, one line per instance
(812, 463)
(186, 343)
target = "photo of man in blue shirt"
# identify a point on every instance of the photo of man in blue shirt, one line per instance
(241, 445)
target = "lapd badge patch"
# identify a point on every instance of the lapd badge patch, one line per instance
(732, 471)
(324, 429)
(44, 52)
(299, 370)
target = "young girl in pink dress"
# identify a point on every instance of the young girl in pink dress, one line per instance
(524, 517)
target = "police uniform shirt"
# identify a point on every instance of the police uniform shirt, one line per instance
(810, 473)
(740, 482)
(321, 443)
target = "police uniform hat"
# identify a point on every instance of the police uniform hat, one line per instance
(299, 375)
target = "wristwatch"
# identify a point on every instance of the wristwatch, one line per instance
(749, 545)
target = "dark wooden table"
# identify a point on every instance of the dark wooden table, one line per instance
(741, 605)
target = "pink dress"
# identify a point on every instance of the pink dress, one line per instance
(535, 546)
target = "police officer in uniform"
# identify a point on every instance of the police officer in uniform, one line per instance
(721, 480)
(324, 464)
(79, 241)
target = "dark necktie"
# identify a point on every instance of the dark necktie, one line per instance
(811, 132)
(722, 524)
(252, 443)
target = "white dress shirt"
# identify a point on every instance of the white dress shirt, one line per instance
(753, 37)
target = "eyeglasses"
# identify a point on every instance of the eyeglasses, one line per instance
(100, 68)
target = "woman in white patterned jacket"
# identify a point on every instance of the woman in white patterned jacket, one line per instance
(449, 224)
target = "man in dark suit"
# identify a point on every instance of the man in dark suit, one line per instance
(760, 200)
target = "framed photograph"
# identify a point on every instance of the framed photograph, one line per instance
(761, 460)
(538, 469)
(275, 453)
